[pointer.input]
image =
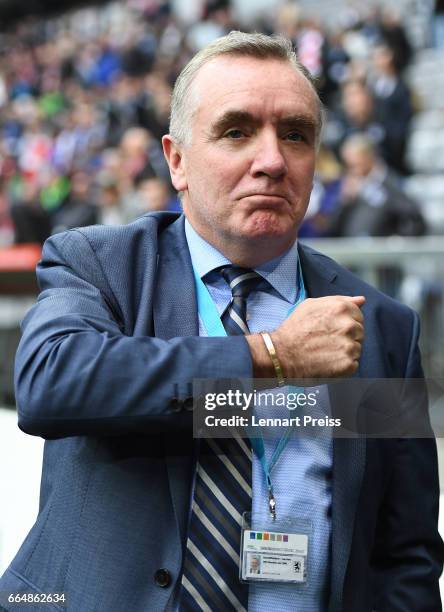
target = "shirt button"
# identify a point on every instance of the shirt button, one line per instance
(162, 578)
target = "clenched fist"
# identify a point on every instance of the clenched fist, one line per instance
(322, 338)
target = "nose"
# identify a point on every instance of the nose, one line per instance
(268, 158)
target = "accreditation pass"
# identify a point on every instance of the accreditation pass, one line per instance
(272, 556)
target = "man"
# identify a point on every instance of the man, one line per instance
(363, 112)
(109, 354)
(371, 201)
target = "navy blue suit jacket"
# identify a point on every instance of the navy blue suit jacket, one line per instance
(104, 373)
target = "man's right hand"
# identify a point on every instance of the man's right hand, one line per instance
(322, 338)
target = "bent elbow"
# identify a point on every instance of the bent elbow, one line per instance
(33, 400)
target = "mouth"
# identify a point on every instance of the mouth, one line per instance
(265, 200)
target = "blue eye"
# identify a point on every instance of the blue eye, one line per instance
(235, 134)
(295, 137)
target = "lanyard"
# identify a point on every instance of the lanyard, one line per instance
(211, 320)
(259, 448)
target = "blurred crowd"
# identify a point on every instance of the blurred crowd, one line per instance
(84, 103)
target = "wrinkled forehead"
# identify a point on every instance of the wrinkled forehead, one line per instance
(241, 80)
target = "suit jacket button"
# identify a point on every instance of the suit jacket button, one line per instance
(162, 577)
(188, 403)
(175, 405)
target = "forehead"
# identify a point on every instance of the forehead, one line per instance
(353, 91)
(269, 89)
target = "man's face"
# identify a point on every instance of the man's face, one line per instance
(247, 174)
(358, 161)
(357, 103)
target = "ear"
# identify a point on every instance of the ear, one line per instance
(174, 156)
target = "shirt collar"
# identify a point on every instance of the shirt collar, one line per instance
(280, 272)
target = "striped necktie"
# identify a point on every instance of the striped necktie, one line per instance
(222, 493)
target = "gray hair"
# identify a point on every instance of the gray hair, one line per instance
(239, 44)
(361, 142)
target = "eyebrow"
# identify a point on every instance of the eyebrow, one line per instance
(300, 121)
(231, 118)
(235, 117)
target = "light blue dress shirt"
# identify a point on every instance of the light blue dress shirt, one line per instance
(302, 476)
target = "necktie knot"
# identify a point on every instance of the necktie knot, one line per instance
(242, 281)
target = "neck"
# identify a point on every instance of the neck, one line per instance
(253, 260)
(252, 253)
(247, 252)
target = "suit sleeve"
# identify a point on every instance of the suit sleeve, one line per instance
(409, 551)
(77, 373)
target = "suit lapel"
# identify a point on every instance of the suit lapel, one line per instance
(321, 279)
(174, 307)
(175, 315)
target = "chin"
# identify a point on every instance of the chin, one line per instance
(271, 226)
